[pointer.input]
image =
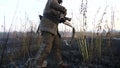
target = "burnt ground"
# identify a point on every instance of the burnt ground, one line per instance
(110, 57)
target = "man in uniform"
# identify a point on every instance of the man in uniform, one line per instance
(49, 31)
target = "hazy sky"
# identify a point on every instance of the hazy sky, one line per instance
(25, 12)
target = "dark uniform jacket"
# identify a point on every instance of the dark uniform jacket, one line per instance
(51, 16)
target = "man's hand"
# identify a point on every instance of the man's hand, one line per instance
(65, 13)
(62, 20)
(64, 10)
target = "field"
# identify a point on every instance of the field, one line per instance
(84, 52)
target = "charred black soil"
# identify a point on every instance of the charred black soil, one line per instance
(14, 56)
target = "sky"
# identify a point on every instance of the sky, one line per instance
(20, 15)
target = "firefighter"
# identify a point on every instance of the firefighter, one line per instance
(49, 32)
